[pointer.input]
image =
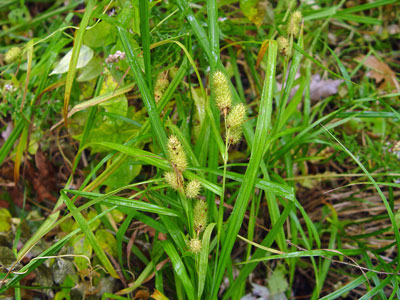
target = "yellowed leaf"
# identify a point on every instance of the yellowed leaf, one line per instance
(262, 51)
(157, 295)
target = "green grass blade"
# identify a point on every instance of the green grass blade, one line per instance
(203, 261)
(75, 54)
(179, 269)
(145, 273)
(267, 242)
(246, 189)
(145, 35)
(376, 289)
(366, 6)
(159, 162)
(344, 72)
(9, 143)
(378, 189)
(348, 287)
(278, 189)
(124, 202)
(147, 98)
(213, 30)
(42, 17)
(36, 262)
(196, 27)
(90, 236)
(297, 56)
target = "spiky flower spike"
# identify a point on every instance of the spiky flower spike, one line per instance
(223, 95)
(235, 135)
(236, 116)
(160, 86)
(192, 189)
(12, 55)
(234, 123)
(283, 45)
(172, 180)
(195, 245)
(200, 215)
(177, 154)
(293, 25)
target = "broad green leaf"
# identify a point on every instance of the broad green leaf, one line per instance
(5, 220)
(102, 34)
(85, 55)
(90, 236)
(107, 241)
(81, 246)
(91, 70)
(124, 175)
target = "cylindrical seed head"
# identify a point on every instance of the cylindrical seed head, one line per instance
(222, 91)
(283, 45)
(177, 154)
(160, 85)
(235, 135)
(236, 116)
(293, 25)
(12, 55)
(193, 189)
(195, 245)
(200, 215)
(172, 180)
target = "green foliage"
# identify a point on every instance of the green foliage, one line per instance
(176, 179)
(5, 220)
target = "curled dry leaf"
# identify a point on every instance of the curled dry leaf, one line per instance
(322, 88)
(319, 88)
(379, 71)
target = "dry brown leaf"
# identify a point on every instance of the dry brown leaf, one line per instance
(380, 71)
(142, 294)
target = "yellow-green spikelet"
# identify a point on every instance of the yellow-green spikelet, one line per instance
(200, 215)
(176, 153)
(222, 91)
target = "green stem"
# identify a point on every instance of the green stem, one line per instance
(222, 198)
(187, 206)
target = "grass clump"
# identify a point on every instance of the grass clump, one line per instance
(199, 150)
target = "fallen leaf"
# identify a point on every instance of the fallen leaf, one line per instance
(258, 292)
(142, 295)
(380, 71)
(322, 88)
(319, 88)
